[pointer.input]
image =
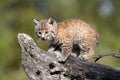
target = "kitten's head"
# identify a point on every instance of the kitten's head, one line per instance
(45, 29)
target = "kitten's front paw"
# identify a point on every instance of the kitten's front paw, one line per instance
(61, 58)
(83, 57)
(50, 50)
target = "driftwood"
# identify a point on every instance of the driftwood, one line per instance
(41, 65)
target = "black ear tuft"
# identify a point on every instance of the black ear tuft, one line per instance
(35, 21)
(51, 21)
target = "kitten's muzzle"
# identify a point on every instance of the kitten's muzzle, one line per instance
(43, 38)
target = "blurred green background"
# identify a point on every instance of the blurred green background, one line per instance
(16, 17)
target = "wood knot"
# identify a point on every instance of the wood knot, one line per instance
(38, 72)
(51, 65)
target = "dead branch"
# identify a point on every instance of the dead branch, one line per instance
(41, 65)
(116, 55)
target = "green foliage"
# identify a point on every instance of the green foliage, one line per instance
(16, 16)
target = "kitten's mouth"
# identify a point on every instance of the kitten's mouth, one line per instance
(43, 38)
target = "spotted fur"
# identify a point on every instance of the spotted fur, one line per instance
(69, 36)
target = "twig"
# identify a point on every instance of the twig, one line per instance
(116, 55)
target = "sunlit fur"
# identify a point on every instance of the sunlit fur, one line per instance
(73, 34)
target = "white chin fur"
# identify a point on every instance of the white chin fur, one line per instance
(48, 39)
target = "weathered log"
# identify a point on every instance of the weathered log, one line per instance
(42, 65)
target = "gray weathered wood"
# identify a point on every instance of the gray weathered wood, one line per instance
(36, 62)
(42, 65)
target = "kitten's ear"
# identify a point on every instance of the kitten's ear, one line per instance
(52, 21)
(36, 22)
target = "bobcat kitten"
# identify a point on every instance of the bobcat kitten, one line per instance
(70, 36)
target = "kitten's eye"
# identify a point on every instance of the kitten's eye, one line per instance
(39, 32)
(46, 32)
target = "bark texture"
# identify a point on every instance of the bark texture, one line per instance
(42, 65)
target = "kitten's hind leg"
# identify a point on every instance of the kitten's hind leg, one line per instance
(88, 53)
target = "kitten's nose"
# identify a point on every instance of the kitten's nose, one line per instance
(42, 38)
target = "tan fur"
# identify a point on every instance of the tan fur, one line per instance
(74, 32)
